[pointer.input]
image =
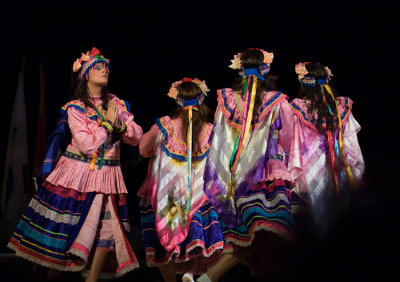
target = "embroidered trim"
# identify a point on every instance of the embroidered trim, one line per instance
(236, 123)
(54, 216)
(175, 153)
(125, 104)
(299, 111)
(78, 157)
(77, 104)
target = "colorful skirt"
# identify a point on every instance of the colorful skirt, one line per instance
(267, 226)
(61, 229)
(267, 206)
(205, 240)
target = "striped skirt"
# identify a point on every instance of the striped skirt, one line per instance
(267, 226)
(265, 207)
(205, 240)
(61, 228)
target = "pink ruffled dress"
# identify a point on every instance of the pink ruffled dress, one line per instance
(78, 208)
(88, 137)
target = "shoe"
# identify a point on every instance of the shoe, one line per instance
(187, 278)
(204, 278)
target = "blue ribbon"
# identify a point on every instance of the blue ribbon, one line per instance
(253, 72)
(193, 102)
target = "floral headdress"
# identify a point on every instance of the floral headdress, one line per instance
(88, 61)
(173, 92)
(310, 80)
(265, 66)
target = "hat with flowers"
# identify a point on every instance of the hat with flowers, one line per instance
(88, 61)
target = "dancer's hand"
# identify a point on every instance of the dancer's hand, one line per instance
(111, 113)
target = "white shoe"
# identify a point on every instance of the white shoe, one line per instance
(187, 278)
(204, 278)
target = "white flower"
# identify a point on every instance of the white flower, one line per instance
(301, 70)
(268, 57)
(236, 63)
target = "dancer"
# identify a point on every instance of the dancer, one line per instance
(78, 217)
(245, 177)
(181, 229)
(325, 157)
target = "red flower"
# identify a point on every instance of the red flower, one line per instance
(95, 51)
(186, 79)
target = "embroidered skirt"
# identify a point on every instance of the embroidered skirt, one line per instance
(61, 228)
(205, 240)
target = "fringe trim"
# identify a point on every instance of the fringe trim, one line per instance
(43, 262)
(78, 253)
(120, 272)
(124, 270)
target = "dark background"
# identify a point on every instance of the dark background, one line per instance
(153, 44)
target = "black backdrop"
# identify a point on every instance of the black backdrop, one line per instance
(155, 43)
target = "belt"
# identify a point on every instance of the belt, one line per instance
(86, 159)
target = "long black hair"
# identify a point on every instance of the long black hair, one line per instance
(318, 100)
(82, 93)
(254, 59)
(187, 91)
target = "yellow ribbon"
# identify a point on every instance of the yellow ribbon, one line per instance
(189, 143)
(341, 146)
(248, 122)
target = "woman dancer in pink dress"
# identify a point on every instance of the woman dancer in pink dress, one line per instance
(246, 178)
(181, 229)
(325, 159)
(78, 217)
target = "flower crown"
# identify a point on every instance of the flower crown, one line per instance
(265, 66)
(173, 92)
(310, 80)
(88, 61)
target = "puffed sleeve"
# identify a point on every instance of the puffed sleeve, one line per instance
(133, 132)
(146, 145)
(352, 148)
(86, 134)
